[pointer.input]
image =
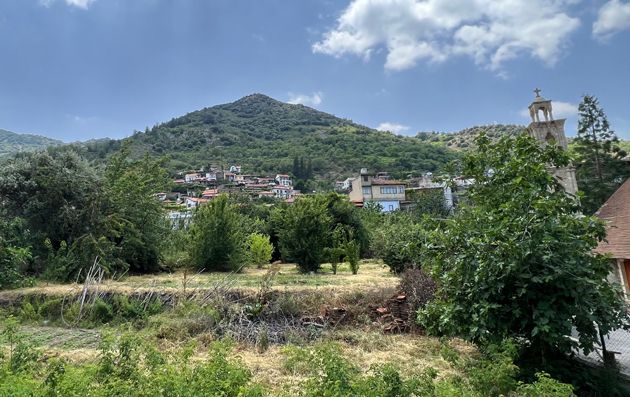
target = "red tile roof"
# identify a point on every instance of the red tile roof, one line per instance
(616, 213)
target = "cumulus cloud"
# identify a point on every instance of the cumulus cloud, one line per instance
(84, 4)
(392, 127)
(308, 100)
(613, 17)
(490, 32)
(561, 110)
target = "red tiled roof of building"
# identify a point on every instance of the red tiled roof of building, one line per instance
(616, 213)
(377, 181)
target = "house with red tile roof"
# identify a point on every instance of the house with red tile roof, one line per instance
(616, 213)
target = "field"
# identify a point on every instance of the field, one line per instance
(262, 313)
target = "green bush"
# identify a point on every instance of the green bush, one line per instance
(217, 239)
(260, 249)
(545, 386)
(304, 232)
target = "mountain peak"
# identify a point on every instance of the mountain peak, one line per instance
(256, 97)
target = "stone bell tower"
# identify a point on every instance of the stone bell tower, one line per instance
(551, 131)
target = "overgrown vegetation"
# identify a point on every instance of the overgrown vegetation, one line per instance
(518, 261)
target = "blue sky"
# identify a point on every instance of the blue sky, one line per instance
(82, 69)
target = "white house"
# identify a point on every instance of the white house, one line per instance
(194, 202)
(282, 192)
(190, 178)
(284, 180)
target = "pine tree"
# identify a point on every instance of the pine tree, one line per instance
(600, 166)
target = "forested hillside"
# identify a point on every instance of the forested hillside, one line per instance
(264, 136)
(10, 142)
(464, 139)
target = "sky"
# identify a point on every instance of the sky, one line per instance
(84, 69)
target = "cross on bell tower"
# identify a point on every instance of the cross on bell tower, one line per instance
(551, 132)
(540, 104)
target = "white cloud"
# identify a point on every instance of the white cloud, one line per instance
(613, 17)
(392, 127)
(308, 100)
(491, 32)
(560, 110)
(84, 4)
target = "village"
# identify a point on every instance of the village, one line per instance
(196, 188)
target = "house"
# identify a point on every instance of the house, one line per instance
(211, 176)
(345, 185)
(427, 183)
(266, 194)
(387, 193)
(193, 202)
(616, 213)
(282, 192)
(284, 180)
(236, 169)
(209, 194)
(190, 178)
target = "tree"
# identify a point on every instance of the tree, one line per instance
(136, 218)
(260, 249)
(58, 196)
(345, 214)
(14, 254)
(600, 169)
(217, 240)
(517, 261)
(304, 232)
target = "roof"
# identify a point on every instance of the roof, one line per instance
(210, 192)
(197, 200)
(377, 181)
(616, 213)
(282, 176)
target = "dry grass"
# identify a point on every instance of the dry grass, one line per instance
(412, 354)
(372, 274)
(358, 339)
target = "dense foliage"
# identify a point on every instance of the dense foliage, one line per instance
(71, 213)
(518, 261)
(217, 237)
(260, 249)
(304, 232)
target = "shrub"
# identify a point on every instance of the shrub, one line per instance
(419, 288)
(102, 312)
(352, 255)
(260, 249)
(544, 386)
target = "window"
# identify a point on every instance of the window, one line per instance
(365, 178)
(367, 190)
(401, 189)
(391, 207)
(391, 190)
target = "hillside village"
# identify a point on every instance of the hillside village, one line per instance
(196, 188)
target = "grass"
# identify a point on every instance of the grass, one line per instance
(360, 338)
(372, 274)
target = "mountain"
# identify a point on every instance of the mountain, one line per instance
(11, 142)
(264, 135)
(465, 139)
